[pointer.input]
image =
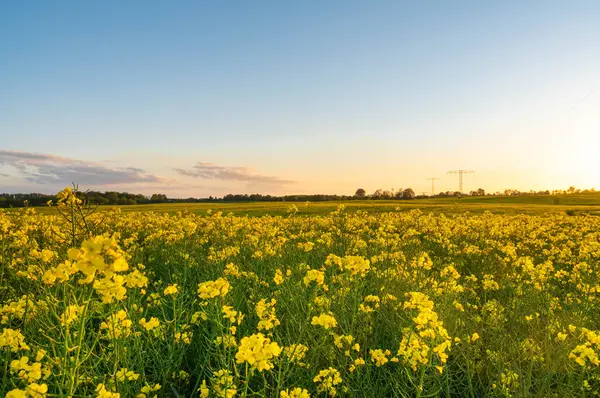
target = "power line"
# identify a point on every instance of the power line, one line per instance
(433, 184)
(460, 177)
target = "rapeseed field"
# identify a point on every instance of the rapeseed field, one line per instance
(393, 304)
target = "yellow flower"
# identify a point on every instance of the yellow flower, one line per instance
(203, 390)
(16, 393)
(380, 357)
(582, 354)
(171, 290)
(117, 325)
(325, 320)
(126, 375)
(71, 314)
(151, 324)
(212, 289)
(185, 337)
(40, 355)
(278, 278)
(314, 275)
(102, 392)
(266, 313)
(257, 350)
(148, 389)
(226, 341)
(35, 390)
(294, 393)
(13, 339)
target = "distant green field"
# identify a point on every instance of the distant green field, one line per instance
(573, 204)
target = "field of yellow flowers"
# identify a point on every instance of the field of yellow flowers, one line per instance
(396, 304)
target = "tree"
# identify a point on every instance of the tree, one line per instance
(360, 193)
(158, 198)
(408, 193)
(378, 194)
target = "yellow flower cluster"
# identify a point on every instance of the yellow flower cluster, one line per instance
(18, 309)
(103, 392)
(354, 265)
(125, 374)
(314, 275)
(34, 390)
(13, 339)
(258, 351)
(380, 357)
(212, 289)
(223, 384)
(117, 325)
(26, 371)
(326, 381)
(585, 353)
(429, 333)
(99, 260)
(325, 320)
(295, 353)
(71, 314)
(171, 290)
(266, 313)
(153, 323)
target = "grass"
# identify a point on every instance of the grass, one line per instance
(570, 204)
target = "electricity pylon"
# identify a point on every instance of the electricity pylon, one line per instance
(433, 184)
(460, 177)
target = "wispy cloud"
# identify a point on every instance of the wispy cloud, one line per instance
(41, 168)
(211, 171)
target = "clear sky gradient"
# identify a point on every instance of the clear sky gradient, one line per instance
(195, 98)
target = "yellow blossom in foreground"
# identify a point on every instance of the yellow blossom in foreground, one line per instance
(171, 290)
(257, 350)
(325, 320)
(35, 390)
(16, 393)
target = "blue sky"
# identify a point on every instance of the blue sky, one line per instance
(205, 98)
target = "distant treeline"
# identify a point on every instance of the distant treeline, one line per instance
(124, 198)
